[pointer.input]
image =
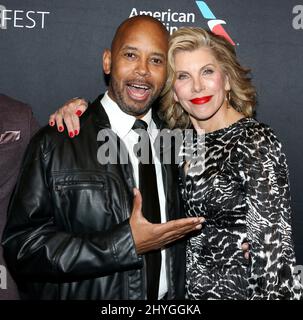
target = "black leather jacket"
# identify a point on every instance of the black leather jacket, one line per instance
(68, 234)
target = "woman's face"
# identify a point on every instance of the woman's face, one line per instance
(200, 85)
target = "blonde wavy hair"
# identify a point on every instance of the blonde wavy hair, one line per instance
(242, 96)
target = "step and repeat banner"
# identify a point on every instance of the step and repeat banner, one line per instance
(50, 51)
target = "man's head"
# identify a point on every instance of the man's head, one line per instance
(137, 64)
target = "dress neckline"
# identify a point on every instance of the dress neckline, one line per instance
(230, 127)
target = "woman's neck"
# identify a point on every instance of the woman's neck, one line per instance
(222, 119)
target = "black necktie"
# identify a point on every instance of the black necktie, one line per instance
(150, 208)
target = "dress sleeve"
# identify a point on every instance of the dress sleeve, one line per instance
(269, 219)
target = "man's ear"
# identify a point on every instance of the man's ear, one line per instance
(107, 61)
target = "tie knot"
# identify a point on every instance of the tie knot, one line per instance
(140, 124)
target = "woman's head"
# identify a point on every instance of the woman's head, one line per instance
(207, 76)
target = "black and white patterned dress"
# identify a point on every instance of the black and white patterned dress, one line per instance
(242, 190)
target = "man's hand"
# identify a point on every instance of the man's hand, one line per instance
(245, 248)
(70, 113)
(151, 236)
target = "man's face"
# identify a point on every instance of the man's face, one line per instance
(137, 66)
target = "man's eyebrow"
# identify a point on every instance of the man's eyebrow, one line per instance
(162, 55)
(159, 54)
(129, 48)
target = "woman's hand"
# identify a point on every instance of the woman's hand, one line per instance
(69, 113)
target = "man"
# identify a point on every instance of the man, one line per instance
(17, 126)
(74, 229)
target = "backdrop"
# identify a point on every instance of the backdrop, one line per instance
(50, 51)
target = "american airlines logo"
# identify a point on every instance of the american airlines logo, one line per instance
(214, 24)
(171, 19)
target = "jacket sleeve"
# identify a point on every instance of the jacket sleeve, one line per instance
(36, 247)
(269, 222)
(34, 125)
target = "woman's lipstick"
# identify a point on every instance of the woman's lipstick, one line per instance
(201, 100)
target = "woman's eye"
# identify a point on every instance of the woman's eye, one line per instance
(208, 71)
(181, 76)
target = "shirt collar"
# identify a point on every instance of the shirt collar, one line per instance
(121, 122)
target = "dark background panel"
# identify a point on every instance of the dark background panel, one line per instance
(47, 66)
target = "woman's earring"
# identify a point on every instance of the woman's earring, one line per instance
(227, 97)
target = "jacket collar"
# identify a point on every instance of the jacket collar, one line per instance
(99, 115)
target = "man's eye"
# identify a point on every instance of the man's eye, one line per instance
(157, 61)
(129, 55)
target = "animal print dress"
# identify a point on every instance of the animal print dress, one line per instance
(242, 190)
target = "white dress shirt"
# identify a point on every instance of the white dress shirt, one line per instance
(122, 123)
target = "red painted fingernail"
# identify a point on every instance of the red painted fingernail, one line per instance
(60, 128)
(78, 113)
(51, 123)
(71, 134)
(76, 132)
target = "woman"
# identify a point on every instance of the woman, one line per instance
(242, 188)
